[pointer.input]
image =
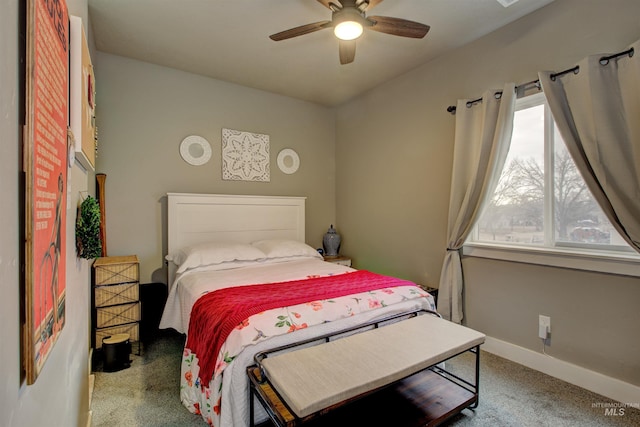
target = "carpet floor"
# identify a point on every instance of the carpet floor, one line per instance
(147, 394)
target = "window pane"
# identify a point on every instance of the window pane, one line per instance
(578, 217)
(516, 212)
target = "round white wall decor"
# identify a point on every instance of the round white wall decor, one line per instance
(195, 150)
(288, 161)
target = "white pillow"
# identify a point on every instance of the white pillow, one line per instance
(212, 253)
(280, 248)
(229, 265)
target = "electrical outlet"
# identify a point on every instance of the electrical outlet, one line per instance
(544, 326)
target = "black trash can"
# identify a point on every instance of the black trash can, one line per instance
(117, 349)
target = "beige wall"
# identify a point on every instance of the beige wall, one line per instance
(393, 157)
(144, 111)
(59, 397)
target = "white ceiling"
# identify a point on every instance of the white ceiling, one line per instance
(229, 40)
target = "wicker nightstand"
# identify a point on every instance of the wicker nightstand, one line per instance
(116, 298)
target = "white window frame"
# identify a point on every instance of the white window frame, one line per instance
(553, 253)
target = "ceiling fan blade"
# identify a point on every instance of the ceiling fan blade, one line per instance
(301, 30)
(398, 27)
(369, 4)
(347, 51)
(332, 5)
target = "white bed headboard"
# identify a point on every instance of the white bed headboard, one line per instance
(198, 218)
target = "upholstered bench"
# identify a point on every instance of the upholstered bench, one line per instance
(300, 385)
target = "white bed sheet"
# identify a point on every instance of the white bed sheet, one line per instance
(192, 284)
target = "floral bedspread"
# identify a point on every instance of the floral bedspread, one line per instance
(205, 399)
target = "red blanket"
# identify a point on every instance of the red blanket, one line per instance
(216, 314)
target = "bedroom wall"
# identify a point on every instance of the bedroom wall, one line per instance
(394, 152)
(60, 395)
(149, 109)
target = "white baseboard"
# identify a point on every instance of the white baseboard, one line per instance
(612, 388)
(92, 382)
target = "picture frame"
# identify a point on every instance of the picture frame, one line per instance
(46, 160)
(82, 95)
(245, 156)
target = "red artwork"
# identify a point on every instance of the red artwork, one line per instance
(46, 158)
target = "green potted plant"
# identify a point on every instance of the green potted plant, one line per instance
(88, 243)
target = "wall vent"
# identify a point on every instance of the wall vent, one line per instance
(506, 3)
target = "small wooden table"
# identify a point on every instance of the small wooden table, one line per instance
(339, 259)
(426, 397)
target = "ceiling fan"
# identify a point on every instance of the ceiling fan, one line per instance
(349, 20)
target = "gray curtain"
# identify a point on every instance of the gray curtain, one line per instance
(597, 112)
(482, 139)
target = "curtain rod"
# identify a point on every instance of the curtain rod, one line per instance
(524, 86)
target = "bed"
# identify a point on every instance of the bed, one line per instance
(242, 280)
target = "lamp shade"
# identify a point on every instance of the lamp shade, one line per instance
(348, 30)
(348, 23)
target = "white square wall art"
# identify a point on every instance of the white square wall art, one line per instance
(245, 156)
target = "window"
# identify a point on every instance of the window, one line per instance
(541, 201)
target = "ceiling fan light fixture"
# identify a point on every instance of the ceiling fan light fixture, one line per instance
(349, 19)
(348, 23)
(348, 30)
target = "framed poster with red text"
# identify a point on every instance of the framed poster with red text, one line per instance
(45, 156)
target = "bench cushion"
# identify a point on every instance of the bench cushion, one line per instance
(317, 377)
